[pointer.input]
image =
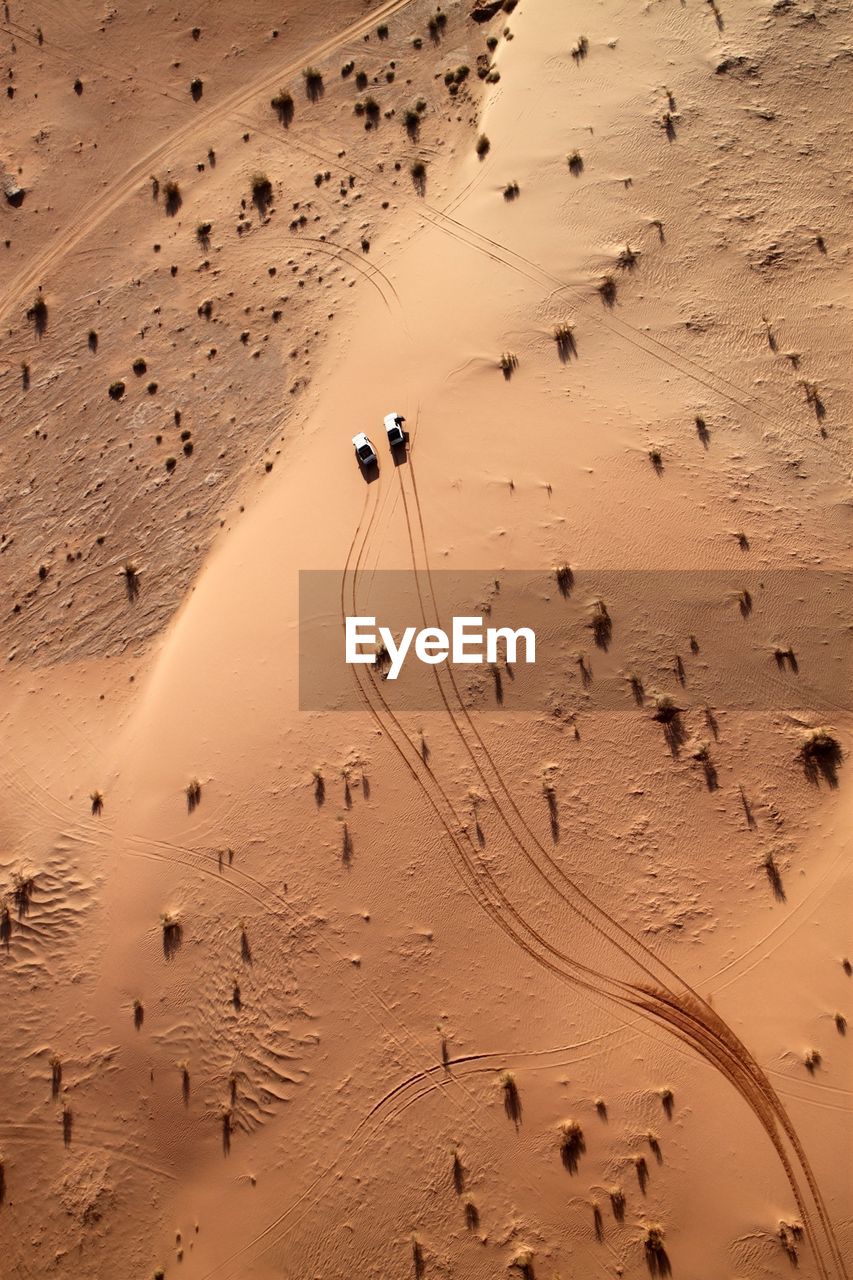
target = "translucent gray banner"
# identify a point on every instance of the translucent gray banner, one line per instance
(605, 640)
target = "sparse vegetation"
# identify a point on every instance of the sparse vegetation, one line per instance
(564, 336)
(282, 105)
(575, 163)
(572, 1145)
(565, 579)
(550, 794)
(173, 934)
(774, 875)
(813, 398)
(665, 709)
(458, 1171)
(116, 389)
(580, 49)
(483, 146)
(172, 197)
(261, 188)
(436, 26)
(668, 714)
(511, 191)
(138, 1014)
(607, 291)
(313, 78)
(245, 945)
(617, 1203)
(37, 314)
(193, 794)
(97, 800)
(508, 363)
(202, 232)
(790, 1234)
(656, 1256)
(22, 891)
(511, 1096)
(821, 755)
(131, 580)
(419, 173)
(601, 624)
(635, 682)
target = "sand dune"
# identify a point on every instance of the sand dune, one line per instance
(534, 974)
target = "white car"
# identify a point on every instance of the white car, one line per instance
(394, 428)
(364, 450)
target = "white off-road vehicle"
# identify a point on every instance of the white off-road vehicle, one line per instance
(394, 428)
(364, 450)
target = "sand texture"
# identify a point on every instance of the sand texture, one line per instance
(544, 979)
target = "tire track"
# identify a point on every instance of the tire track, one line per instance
(659, 350)
(27, 279)
(677, 1006)
(684, 1015)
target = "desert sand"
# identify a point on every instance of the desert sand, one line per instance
(544, 981)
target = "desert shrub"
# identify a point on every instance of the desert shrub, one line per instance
(572, 1145)
(282, 105)
(261, 188)
(313, 78)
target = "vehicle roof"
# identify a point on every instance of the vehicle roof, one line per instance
(361, 438)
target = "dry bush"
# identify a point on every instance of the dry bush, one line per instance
(313, 78)
(821, 755)
(282, 105)
(572, 1145)
(511, 1096)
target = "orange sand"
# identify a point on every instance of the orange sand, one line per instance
(312, 1082)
